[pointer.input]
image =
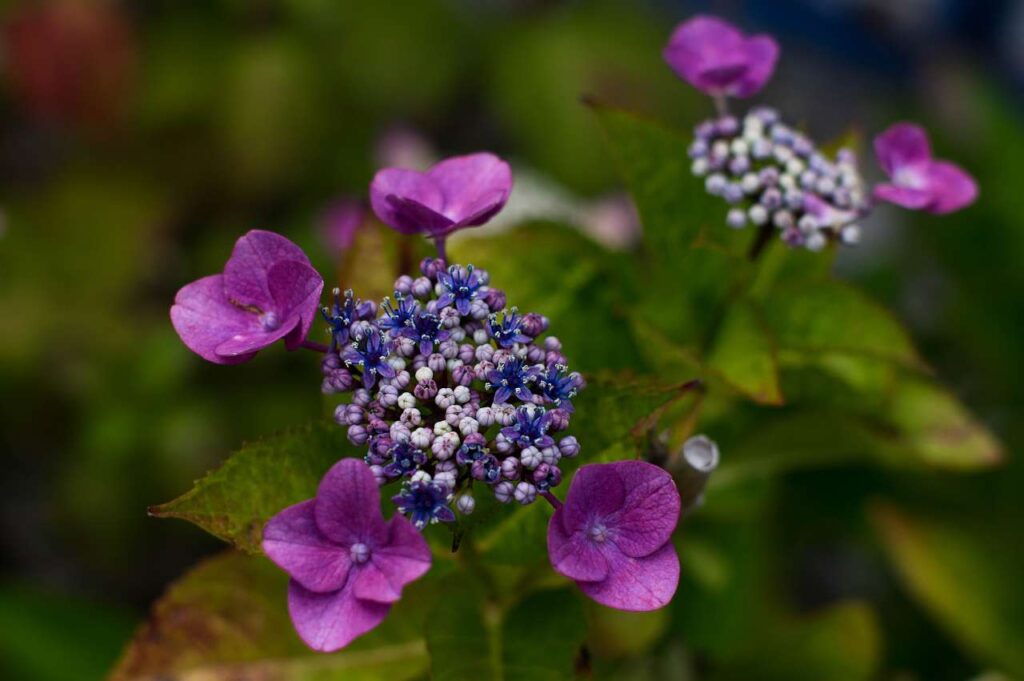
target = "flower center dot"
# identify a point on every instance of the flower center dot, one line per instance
(598, 532)
(360, 553)
(270, 321)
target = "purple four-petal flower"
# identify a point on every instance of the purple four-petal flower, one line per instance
(613, 535)
(268, 291)
(462, 191)
(716, 58)
(347, 565)
(919, 181)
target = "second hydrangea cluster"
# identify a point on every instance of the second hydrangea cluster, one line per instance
(451, 391)
(772, 174)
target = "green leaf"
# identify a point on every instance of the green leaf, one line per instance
(235, 501)
(940, 429)
(228, 619)
(744, 355)
(691, 262)
(470, 637)
(616, 408)
(833, 317)
(972, 588)
(842, 643)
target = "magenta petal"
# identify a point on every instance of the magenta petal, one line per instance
(246, 271)
(651, 510)
(574, 555)
(411, 212)
(291, 539)
(715, 57)
(902, 145)
(914, 199)
(295, 288)
(392, 187)
(637, 584)
(762, 53)
(951, 186)
(247, 343)
(348, 505)
(404, 558)
(204, 319)
(330, 621)
(596, 492)
(475, 186)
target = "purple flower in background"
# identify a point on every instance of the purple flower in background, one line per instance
(339, 222)
(717, 59)
(920, 182)
(462, 191)
(268, 291)
(613, 535)
(347, 565)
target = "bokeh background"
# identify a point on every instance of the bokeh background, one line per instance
(138, 140)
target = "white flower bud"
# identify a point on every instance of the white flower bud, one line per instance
(420, 476)
(442, 427)
(485, 417)
(550, 455)
(421, 438)
(445, 398)
(504, 491)
(465, 504)
(412, 416)
(444, 447)
(458, 334)
(406, 401)
(480, 336)
(530, 457)
(468, 426)
(462, 394)
(525, 493)
(446, 478)
(424, 374)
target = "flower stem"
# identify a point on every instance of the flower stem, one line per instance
(314, 346)
(721, 104)
(442, 252)
(552, 499)
(763, 238)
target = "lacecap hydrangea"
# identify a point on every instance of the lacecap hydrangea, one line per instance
(771, 174)
(452, 392)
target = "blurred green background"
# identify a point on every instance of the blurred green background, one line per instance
(138, 140)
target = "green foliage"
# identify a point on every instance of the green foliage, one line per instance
(537, 639)
(228, 619)
(969, 585)
(235, 501)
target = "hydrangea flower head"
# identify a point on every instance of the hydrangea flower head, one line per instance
(716, 58)
(457, 394)
(347, 565)
(919, 181)
(613, 535)
(770, 174)
(267, 292)
(462, 191)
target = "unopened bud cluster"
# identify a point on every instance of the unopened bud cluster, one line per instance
(771, 174)
(451, 391)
